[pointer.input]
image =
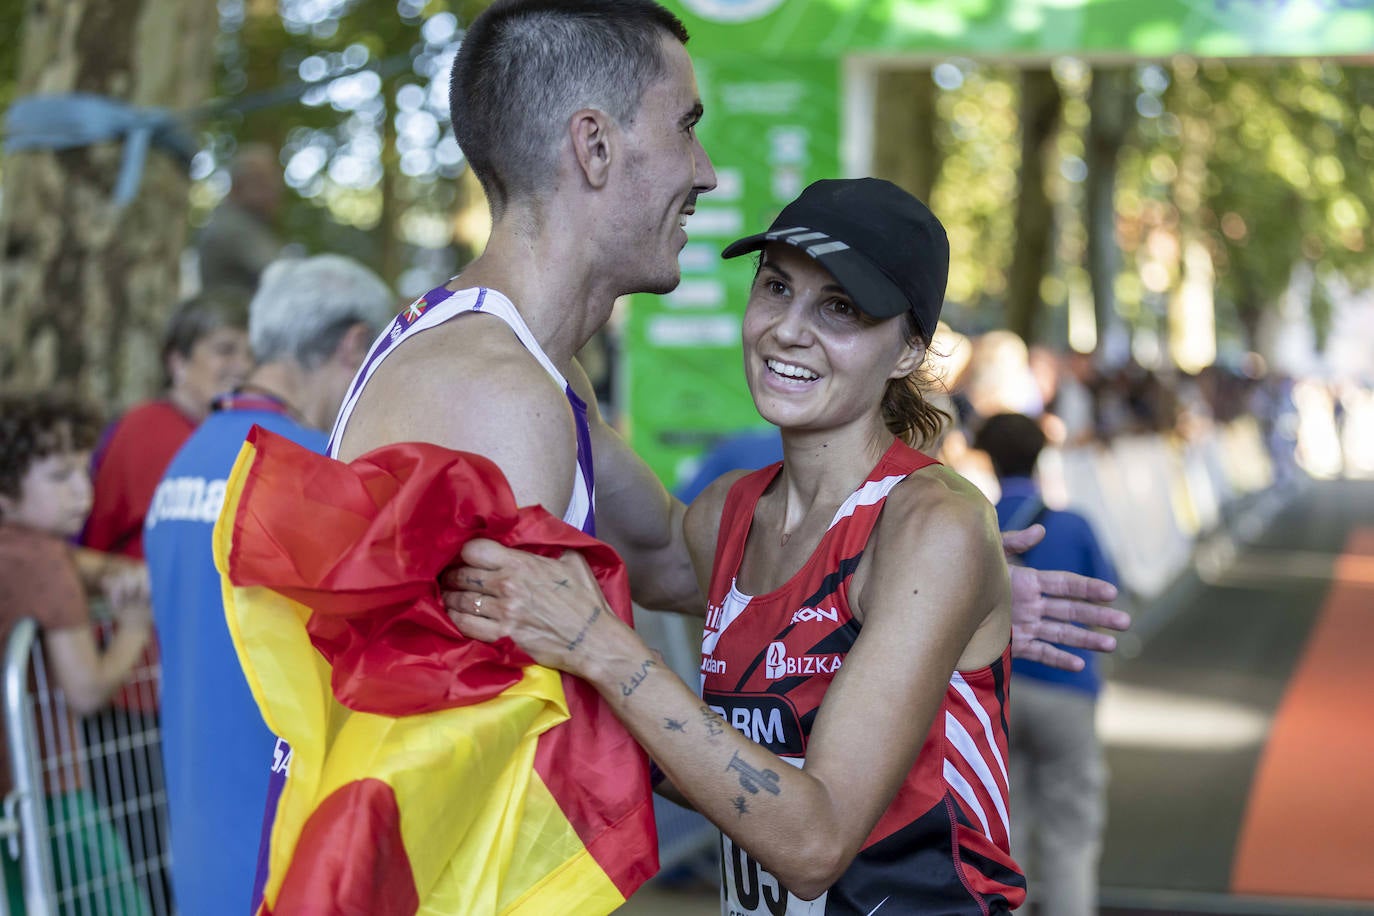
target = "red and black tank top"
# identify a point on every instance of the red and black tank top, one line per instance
(767, 661)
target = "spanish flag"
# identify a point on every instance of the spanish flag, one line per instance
(430, 773)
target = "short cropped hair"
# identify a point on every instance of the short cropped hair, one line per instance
(1013, 441)
(34, 425)
(200, 316)
(304, 306)
(526, 65)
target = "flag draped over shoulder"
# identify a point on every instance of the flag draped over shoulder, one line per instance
(430, 773)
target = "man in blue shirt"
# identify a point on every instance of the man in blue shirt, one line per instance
(1057, 771)
(310, 325)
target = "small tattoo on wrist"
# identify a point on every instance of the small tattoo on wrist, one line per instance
(630, 686)
(675, 725)
(582, 633)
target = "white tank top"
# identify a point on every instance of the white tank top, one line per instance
(433, 309)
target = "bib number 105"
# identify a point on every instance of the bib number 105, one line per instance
(749, 890)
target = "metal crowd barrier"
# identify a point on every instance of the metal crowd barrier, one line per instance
(85, 818)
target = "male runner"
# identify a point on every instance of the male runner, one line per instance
(578, 117)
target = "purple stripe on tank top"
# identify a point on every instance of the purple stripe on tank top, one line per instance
(584, 456)
(408, 316)
(276, 781)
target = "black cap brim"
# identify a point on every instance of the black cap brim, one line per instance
(873, 293)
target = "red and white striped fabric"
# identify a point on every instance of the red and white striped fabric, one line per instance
(767, 661)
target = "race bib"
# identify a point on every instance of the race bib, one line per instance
(747, 889)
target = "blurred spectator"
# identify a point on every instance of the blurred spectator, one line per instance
(1044, 370)
(1272, 405)
(1063, 381)
(1319, 445)
(1134, 401)
(999, 378)
(1057, 767)
(239, 242)
(1356, 428)
(1225, 392)
(45, 494)
(311, 324)
(204, 353)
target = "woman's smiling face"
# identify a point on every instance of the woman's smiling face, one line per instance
(813, 360)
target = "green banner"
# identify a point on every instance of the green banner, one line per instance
(771, 128)
(1134, 28)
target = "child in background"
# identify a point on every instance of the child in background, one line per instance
(45, 497)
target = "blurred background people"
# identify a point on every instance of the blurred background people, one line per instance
(204, 353)
(999, 377)
(45, 494)
(310, 324)
(1057, 767)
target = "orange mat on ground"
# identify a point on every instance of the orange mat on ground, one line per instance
(1309, 824)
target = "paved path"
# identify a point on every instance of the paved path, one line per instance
(1210, 705)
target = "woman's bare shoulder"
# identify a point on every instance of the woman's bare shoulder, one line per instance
(939, 520)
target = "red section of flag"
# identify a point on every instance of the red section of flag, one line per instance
(366, 559)
(581, 792)
(351, 858)
(362, 545)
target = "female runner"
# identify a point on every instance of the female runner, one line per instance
(850, 737)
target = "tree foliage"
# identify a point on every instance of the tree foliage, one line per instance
(352, 92)
(1287, 149)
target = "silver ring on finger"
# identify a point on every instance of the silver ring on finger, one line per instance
(477, 607)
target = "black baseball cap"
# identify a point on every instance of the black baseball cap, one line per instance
(883, 245)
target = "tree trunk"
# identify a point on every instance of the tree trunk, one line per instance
(1110, 101)
(1041, 104)
(905, 148)
(85, 287)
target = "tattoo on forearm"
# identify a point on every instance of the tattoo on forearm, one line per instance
(715, 725)
(741, 806)
(754, 779)
(675, 725)
(630, 686)
(582, 633)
